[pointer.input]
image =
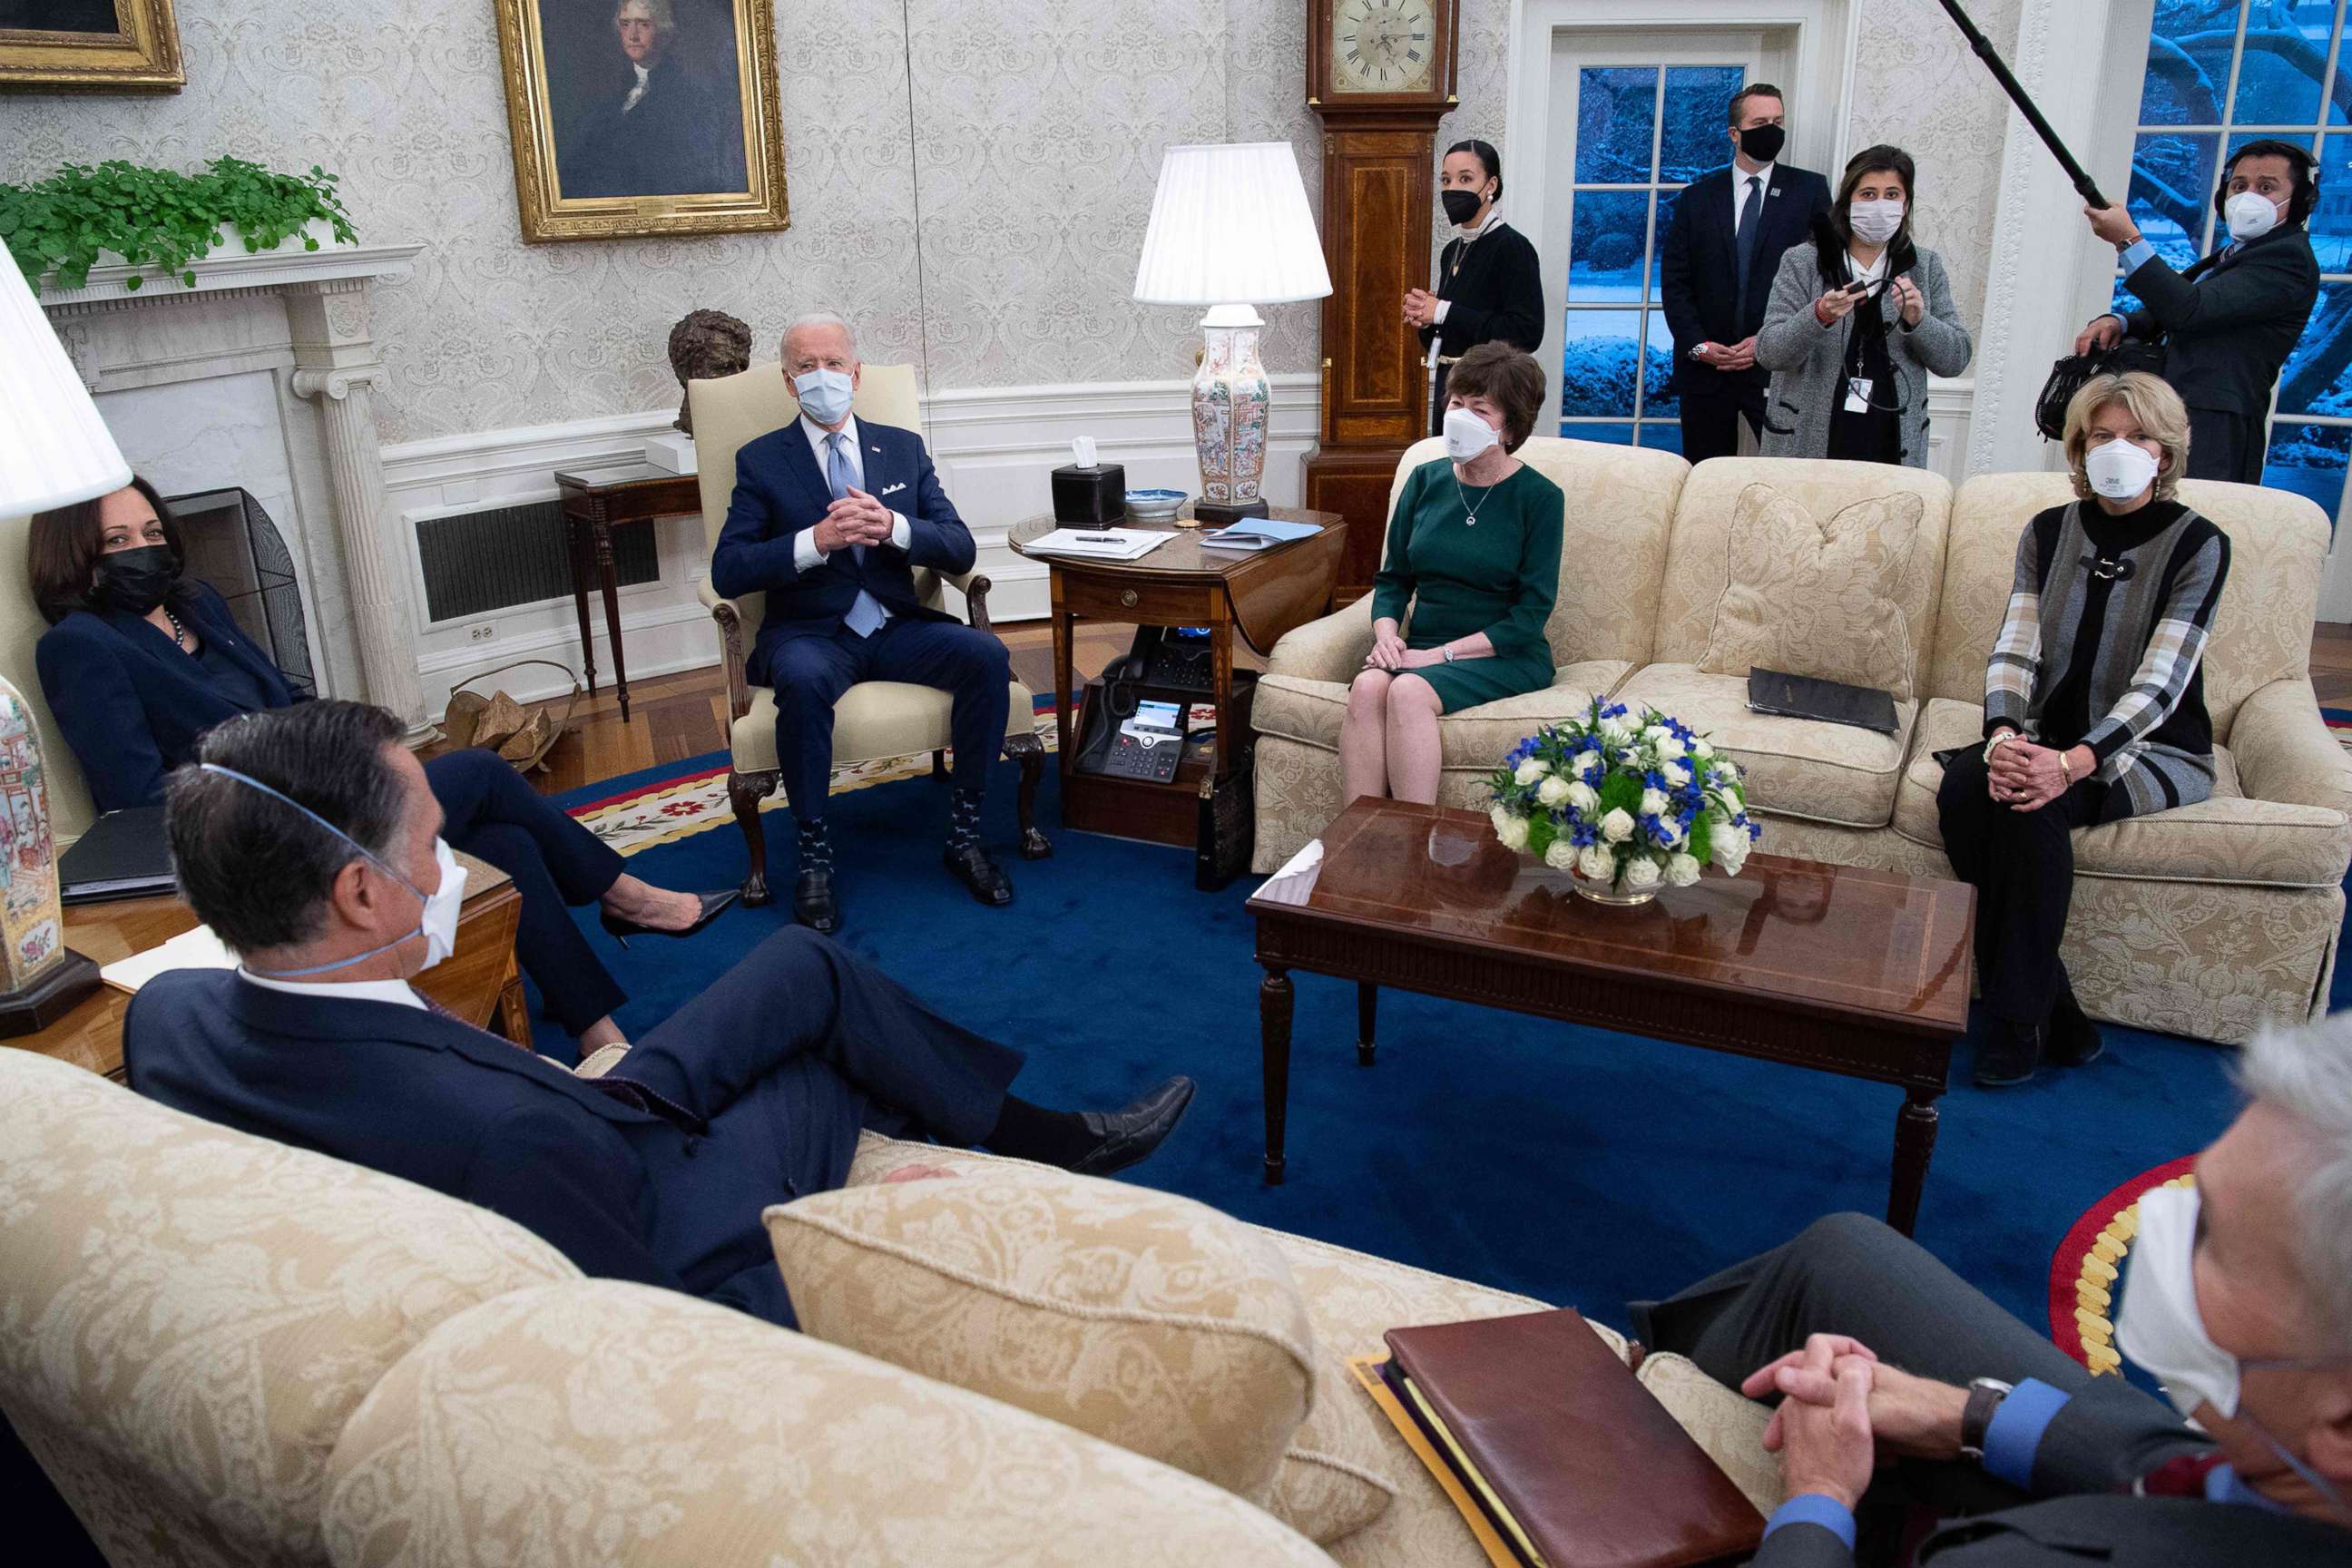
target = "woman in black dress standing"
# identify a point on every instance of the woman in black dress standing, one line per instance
(1489, 283)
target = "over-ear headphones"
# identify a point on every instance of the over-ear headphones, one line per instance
(2301, 165)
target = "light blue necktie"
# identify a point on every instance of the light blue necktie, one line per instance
(865, 616)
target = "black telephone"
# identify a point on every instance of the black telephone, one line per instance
(1128, 729)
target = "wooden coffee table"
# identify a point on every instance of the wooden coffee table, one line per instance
(1830, 967)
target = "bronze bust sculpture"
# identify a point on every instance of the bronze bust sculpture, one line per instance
(703, 346)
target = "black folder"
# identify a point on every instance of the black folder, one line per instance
(124, 854)
(1829, 701)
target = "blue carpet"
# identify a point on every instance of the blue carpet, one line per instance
(1574, 1164)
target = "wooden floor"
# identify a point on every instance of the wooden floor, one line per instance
(674, 717)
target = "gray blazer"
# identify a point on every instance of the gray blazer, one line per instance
(1806, 359)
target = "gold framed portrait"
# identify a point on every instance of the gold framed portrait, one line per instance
(97, 46)
(643, 117)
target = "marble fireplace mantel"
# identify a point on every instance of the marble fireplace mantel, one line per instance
(261, 375)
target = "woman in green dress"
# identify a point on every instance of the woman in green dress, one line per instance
(1473, 555)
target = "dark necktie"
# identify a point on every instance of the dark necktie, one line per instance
(1752, 210)
(628, 1091)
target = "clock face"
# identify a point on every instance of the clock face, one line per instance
(1383, 46)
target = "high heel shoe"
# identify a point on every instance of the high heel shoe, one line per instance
(712, 904)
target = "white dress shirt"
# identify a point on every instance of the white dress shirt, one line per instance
(637, 91)
(395, 992)
(806, 556)
(1739, 178)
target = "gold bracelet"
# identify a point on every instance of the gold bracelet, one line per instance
(2064, 772)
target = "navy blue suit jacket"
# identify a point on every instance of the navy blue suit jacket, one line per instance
(131, 704)
(779, 491)
(1699, 268)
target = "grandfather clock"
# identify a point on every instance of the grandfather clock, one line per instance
(1381, 73)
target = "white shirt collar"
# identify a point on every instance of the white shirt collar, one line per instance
(1870, 274)
(1494, 216)
(643, 75)
(395, 992)
(818, 436)
(1739, 178)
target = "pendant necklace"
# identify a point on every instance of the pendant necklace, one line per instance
(1469, 512)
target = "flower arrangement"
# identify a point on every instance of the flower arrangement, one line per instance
(1626, 804)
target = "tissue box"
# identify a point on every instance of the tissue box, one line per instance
(672, 449)
(1094, 495)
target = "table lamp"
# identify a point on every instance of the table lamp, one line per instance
(1230, 229)
(54, 450)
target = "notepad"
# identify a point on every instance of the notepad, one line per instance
(1098, 544)
(197, 949)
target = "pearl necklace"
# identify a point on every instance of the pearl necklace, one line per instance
(179, 632)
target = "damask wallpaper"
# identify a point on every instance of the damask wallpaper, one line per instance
(969, 180)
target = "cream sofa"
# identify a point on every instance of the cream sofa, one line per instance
(228, 1352)
(2205, 921)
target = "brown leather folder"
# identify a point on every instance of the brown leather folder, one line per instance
(1581, 1463)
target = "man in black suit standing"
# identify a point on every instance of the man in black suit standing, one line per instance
(308, 840)
(2228, 324)
(1721, 252)
(665, 131)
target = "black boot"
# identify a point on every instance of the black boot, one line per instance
(2008, 1054)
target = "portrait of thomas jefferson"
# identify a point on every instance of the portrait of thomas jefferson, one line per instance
(58, 17)
(658, 113)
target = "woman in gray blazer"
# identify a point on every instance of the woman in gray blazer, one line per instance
(1857, 320)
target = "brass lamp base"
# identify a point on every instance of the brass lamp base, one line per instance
(1219, 514)
(50, 997)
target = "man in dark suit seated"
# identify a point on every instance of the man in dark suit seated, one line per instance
(1722, 249)
(830, 519)
(2238, 1300)
(306, 838)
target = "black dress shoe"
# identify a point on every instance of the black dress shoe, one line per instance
(2072, 1040)
(976, 871)
(812, 902)
(2009, 1056)
(712, 903)
(1131, 1134)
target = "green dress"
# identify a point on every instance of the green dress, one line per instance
(1498, 575)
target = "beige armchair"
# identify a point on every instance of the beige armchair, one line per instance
(875, 719)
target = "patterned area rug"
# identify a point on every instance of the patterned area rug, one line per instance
(2339, 725)
(2088, 1268)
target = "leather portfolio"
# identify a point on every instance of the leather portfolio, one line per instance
(1575, 1464)
(1831, 701)
(125, 855)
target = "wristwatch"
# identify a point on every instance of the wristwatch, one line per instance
(1985, 1394)
(1996, 744)
(1448, 653)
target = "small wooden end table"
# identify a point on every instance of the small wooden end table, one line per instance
(1834, 968)
(596, 503)
(1261, 595)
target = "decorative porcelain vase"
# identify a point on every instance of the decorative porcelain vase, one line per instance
(1231, 397)
(40, 977)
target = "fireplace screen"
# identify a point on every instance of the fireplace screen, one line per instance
(231, 543)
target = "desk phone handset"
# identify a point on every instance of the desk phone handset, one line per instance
(1129, 735)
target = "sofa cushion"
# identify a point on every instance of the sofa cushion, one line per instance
(1795, 767)
(613, 1424)
(2228, 839)
(1149, 1321)
(1806, 594)
(1313, 712)
(1722, 1421)
(873, 719)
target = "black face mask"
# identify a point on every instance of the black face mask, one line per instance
(136, 581)
(1762, 143)
(1461, 207)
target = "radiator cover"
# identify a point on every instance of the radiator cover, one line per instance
(480, 562)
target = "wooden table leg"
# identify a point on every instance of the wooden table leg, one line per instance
(602, 533)
(1063, 623)
(576, 545)
(1220, 654)
(1274, 1001)
(1914, 1141)
(1367, 997)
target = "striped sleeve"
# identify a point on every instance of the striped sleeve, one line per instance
(2017, 652)
(2174, 649)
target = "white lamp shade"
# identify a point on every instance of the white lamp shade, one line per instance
(54, 449)
(1230, 225)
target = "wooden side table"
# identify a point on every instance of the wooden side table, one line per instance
(1261, 595)
(596, 503)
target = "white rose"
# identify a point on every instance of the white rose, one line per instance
(1617, 826)
(1596, 864)
(1656, 732)
(1562, 856)
(1670, 830)
(1512, 831)
(1586, 763)
(1533, 769)
(1730, 846)
(1616, 730)
(1734, 799)
(1553, 790)
(1674, 773)
(1701, 750)
(1728, 771)
(1583, 797)
(1640, 872)
(1653, 803)
(1671, 746)
(1681, 871)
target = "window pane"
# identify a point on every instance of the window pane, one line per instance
(1659, 400)
(1666, 200)
(2172, 184)
(2189, 62)
(2309, 461)
(1616, 112)
(2318, 375)
(1596, 364)
(1614, 435)
(2287, 54)
(1660, 437)
(2331, 220)
(1694, 138)
(1604, 262)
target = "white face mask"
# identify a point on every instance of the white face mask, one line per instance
(2251, 215)
(824, 395)
(1876, 222)
(1466, 434)
(2119, 469)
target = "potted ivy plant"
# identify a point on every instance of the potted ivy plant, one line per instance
(160, 220)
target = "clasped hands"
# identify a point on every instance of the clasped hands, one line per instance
(1390, 652)
(1838, 303)
(1740, 355)
(1420, 308)
(1843, 1410)
(855, 519)
(2027, 778)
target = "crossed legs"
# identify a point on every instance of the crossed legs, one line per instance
(1388, 743)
